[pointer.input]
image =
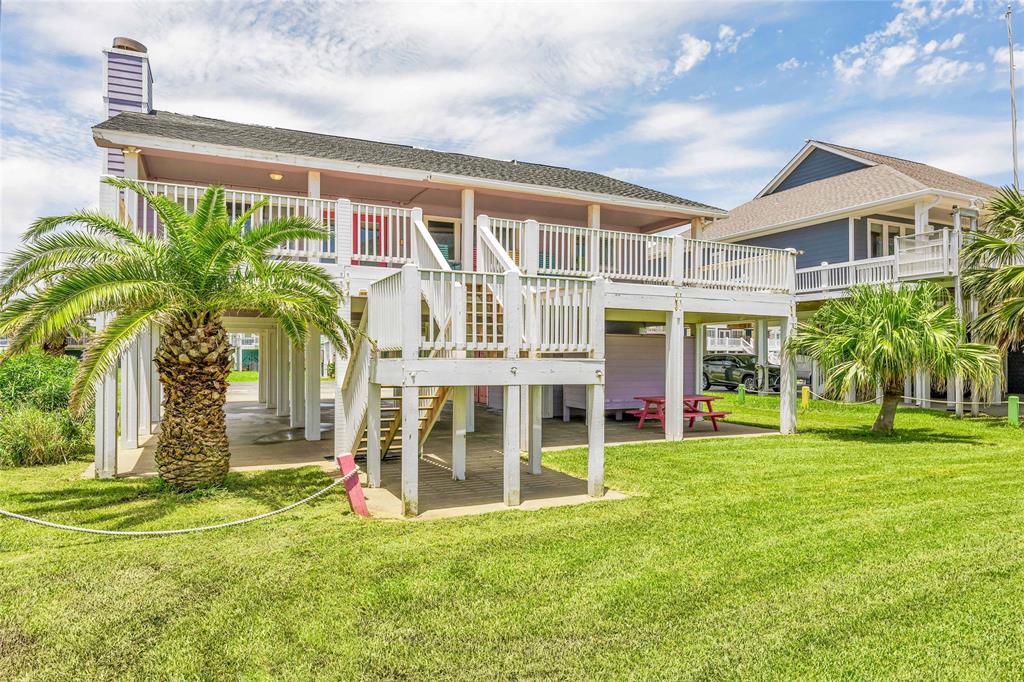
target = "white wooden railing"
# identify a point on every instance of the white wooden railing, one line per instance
(427, 254)
(467, 316)
(927, 254)
(368, 234)
(355, 392)
(238, 202)
(570, 251)
(718, 265)
(829, 277)
(509, 233)
(383, 235)
(384, 307)
(491, 256)
(557, 313)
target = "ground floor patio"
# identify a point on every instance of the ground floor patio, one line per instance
(260, 440)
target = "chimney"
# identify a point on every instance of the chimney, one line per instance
(127, 86)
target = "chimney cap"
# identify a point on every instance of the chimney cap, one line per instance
(122, 43)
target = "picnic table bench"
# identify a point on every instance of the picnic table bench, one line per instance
(654, 409)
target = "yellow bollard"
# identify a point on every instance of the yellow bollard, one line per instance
(805, 397)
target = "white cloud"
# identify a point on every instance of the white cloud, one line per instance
(942, 70)
(496, 79)
(1001, 55)
(894, 58)
(692, 52)
(885, 52)
(949, 44)
(790, 64)
(975, 146)
(729, 40)
(705, 141)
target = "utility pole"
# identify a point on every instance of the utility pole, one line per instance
(1013, 94)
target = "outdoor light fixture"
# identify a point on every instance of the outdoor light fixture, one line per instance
(276, 176)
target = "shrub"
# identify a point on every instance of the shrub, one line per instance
(31, 436)
(37, 379)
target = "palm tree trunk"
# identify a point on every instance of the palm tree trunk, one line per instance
(194, 359)
(887, 415)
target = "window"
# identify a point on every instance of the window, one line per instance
(882, 237)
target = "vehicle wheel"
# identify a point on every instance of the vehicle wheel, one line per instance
(707, 383)
(750, 383)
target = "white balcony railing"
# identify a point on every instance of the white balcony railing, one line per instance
(369, 234)
(928, 254)
(829, 277)
(557, 314)
(570, 251)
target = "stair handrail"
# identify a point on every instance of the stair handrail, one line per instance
(355, 387)
(491, 256)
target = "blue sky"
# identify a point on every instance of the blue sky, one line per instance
(704, 100)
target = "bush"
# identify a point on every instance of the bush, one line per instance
(37, 379)
(31, 436)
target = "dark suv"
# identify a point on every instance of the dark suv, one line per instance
(732, 369)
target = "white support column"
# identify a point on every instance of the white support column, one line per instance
(281, 369)
(699, 341)
(697, 228)
(815, 379)
(530, 260)
(536, 427)
(410, 450)
(510, 444)
(908, 388)
(145, 382)
(594, 244)
(106, 417)
(459, 432)
(852, 227)
(343, 226)
(296, 394)
(130, 397)
(312, 402)
(373, 436)
(261, 368)
(468, 230)
(155, 389)
(787, 382)
(273, 343)
(761, 341)
(595, 440)
(675, 334)
(342, 436)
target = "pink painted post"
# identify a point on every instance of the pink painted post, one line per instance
(356, 500)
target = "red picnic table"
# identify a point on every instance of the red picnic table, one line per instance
(654, 408)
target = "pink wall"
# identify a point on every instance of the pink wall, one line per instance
(634, 365)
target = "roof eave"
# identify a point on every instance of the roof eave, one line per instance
(854, 210)
(112, 138)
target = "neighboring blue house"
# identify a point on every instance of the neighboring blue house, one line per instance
(860, 217)
(838, 205)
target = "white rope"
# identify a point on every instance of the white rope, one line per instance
(180, 531)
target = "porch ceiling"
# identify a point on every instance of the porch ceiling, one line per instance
(436, 199)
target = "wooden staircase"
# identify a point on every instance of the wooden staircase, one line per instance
(484, 325)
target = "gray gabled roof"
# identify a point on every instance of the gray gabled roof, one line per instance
(282, 140)
(882, 177)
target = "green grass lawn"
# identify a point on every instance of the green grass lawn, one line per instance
(831, 554)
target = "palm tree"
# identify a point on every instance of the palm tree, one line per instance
(184, 281)
(877, 336)
(993, 262)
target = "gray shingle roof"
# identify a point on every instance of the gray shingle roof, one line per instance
(929, 176)
(891, 177)
(282, 140)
